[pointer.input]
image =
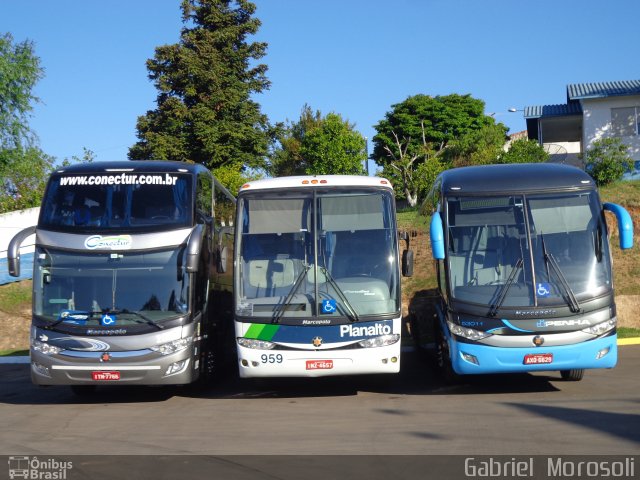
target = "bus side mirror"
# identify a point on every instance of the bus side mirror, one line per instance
(403, 235)
(14, 265)
(194, 246)
(223, 254)
(13, 251)
(407, 255)
(407, 263)
(625, 224)
(436, 234)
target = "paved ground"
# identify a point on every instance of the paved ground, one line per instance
(413, 413)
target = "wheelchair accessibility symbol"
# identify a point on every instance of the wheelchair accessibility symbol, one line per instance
(107, 320)
(328, 306)
(543, 289)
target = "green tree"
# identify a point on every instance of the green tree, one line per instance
(405, 165)
(88, 156)
(24, 168)
(232, 178)
(420, 129)
(477, 147)
(524, 151)
(334, 148)
(318, 145)
(607, 160)
(286, 158)
(426, 174)
(19, 72)
(204, 112)
(23, 176)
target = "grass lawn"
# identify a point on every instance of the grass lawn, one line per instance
(14, 353)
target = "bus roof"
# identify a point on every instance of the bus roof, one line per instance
(514, 178)
(132, 166)
(317, 180)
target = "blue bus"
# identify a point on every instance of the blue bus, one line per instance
(524, 271)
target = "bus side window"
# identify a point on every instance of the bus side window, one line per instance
(204, 198)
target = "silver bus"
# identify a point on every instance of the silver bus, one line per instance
(130, 282)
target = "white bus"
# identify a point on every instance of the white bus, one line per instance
(317, 277)
(130, 282)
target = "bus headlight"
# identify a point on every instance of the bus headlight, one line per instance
(255, 344)
(601, 328)
(381, 341)
(468, 333)
(45, 348)
(174, 346)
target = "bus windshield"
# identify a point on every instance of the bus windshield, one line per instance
(78, 288)
(527, 250)
(316, 253)
(118, 201)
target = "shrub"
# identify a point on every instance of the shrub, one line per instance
(607, 160)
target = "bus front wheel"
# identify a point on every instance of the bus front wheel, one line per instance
(443, 359)
(573, 375)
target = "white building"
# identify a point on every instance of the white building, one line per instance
(593, 111)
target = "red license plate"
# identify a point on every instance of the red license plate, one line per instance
(538, 358)
(319, 364)
(105, 376)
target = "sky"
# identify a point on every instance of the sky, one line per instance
(356, 58)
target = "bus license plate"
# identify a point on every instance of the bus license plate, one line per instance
(319, 364)
(538, 358)
(105, 376)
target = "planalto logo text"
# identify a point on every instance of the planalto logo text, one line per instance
(372, 330)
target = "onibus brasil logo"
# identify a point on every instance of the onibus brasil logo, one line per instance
(37, 469)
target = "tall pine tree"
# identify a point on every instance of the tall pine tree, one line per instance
(204, 112)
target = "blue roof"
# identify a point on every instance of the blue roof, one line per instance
(577, 91)
(563, 110)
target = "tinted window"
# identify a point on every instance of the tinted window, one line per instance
(118, 201)
(204, 195)
(347, 238)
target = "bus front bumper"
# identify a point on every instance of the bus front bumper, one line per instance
(318, 363)
(475, 358)
(118, 368)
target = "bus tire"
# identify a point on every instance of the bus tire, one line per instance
(573, 375)
(443, 358)
(208, 362)
(414, 330)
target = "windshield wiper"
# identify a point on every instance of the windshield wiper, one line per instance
(287, 301)
(504, 289)
(71, 315)
(141, 318)
(353, 315)
(550, 260)
(598, 242)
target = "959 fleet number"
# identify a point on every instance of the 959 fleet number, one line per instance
(271, 358)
